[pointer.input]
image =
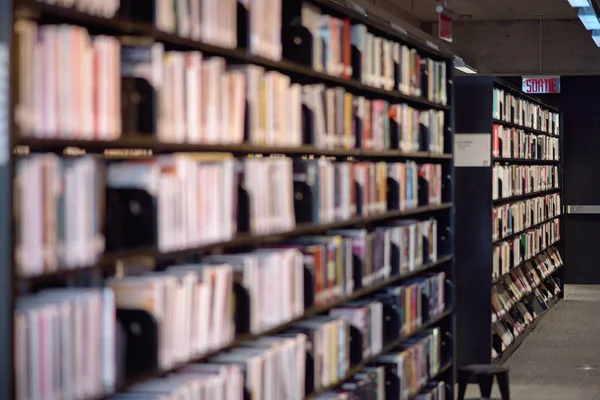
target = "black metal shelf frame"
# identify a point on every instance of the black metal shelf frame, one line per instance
(524, 161)
(522, 127)
(17, 145)
(473, 110)
(150, 145)
(526, 196)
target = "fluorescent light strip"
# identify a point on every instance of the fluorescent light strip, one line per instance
(466, 69)
(579, 3)
(588, 18)
(596, 37)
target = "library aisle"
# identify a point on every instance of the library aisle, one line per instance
(560, 359)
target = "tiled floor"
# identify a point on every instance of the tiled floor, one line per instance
(560, 359)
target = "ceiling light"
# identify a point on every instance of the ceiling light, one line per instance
(460, 65)
(466, 69)
(579, 3)
(588, 18)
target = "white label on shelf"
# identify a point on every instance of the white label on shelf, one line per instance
(432, 45)
(4, 104)
(472, 149)
(359, 9)
(398, 29)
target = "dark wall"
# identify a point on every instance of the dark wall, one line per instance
(579, 102)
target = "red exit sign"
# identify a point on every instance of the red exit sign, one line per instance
(541, 84)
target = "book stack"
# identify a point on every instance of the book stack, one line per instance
(230, 104)
(65, 344)
(202, 199)
(514, 320)
(516, 180)
(509, 142)
(513, 251)
(383, 63)
(343, 120)
(518, 216)
(58, 204)
(198, 218)
(329, 353)
(408, 369)
(521, 294)
(69, 82)
(516, 109)
(106, 9)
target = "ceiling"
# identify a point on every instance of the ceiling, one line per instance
(491, 10)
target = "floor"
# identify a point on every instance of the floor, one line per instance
(560, 359)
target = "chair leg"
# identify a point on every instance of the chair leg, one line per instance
(485, 385)
(503, 384)
(463, 381)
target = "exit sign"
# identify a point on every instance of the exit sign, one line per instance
(541, 84)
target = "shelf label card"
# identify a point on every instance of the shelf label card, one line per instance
(398, 29)
(472, 149)
(358, 9)
(432, 45)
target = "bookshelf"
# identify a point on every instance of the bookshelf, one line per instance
(183, 245)
(509, 237)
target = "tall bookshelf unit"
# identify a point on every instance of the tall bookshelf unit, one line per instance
(480, 120)
(131, 247)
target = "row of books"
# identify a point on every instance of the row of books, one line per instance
(516, 180)
(190, 305)
(215, 22)
(335, 118)
(106, 9)
(516, 143)
(194, 200)
(522, 314)
(339, 47)
(512, 108)
(411, 369)
(196, 317)
(280, 193)
(516, 217)
(228, 105)
(514, 251)
(275, 367)
(350, 51)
